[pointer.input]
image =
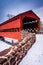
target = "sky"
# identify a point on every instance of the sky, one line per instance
(15, 7)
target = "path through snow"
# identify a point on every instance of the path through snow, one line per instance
(35, 54)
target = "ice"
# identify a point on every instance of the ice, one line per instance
(35, 54)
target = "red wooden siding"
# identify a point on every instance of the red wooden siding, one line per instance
(12, 24)
(14, 35)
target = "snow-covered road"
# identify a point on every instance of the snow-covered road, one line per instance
(35, 54)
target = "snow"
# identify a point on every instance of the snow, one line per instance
(10, 40)
(4, 45)
(35, 54)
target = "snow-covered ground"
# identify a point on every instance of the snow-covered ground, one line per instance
(4, 45)
(10, 40)
(35, 54)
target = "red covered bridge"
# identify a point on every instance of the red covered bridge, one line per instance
(11, 28)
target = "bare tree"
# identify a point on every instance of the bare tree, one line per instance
(41, 25)
(10, 16)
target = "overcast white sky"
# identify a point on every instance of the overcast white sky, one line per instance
(39, 12)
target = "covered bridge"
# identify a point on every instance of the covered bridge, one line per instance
(26, 20)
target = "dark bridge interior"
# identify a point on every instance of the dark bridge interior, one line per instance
(29, 23)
